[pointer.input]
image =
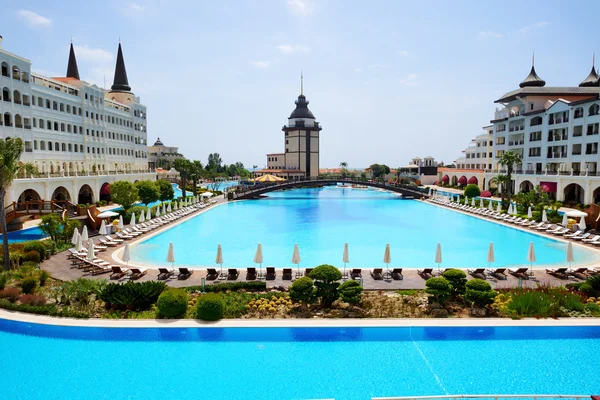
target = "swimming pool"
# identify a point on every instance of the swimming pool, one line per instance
(51, 362)
(322, 220)
(24, 235)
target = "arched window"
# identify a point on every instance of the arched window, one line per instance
(69, 128)
(594, 109)
(7, 119)
(6, 94)
(62, 107)
(4, 68)
(62, 127)
(48, 105)
(63, 147)
(578, 112)
(71, 150)
(17, 97)
(40, 102)
(535, 121)
(50, 146)
(56, 146)
(16, 73)
(56, 126)
(42, 145)
(49, 125)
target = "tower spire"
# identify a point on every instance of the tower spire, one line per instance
(533, 59)
(301, 83)
(72, 70)
(120, 82)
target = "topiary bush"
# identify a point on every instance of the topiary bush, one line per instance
(472, 190)
(326, 277)
(303, 291)
(35, 246)
(172, 303)
(28, 284)
(351, 292)
(457, 279)
(440, 290)
(480, 293)
(209, 307)
(33, 299)
(12, 294)
(32, 256)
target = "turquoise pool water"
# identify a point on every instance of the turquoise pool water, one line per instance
(322, 220)
(48, 362)
(25, 235)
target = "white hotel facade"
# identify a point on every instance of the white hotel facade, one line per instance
(554, 129)
(80, 136)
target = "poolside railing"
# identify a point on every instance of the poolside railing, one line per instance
(489, 396)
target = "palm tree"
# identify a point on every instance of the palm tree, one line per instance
(183, 166)
(10, 152)
(195, 173)
(502, 180)
(509, 159)
(344, 167)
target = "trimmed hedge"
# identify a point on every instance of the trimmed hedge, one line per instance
(35, 246)
(47, 309)
(480, 293)
(132, 295)
(172, 303)
(210, 307)
(303, 291)
(231, 286)
(457, 279)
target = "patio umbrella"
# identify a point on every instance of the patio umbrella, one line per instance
(175, 206)
(164, 209)
(219, 258)
(157, 213)
(102, 230)
(565, 220)
(531, 256)
(515, 210)
(345, 257)
(148, 215)
(473, 202)
(75, 237)
(499, 206)
(142, 217)
(490, 207)
(121, 226)
(387, 256)
(169, 208)
(84, 234)
(79, 246)
(529, 213)
(509, 211)
(90, 255)
(132, 221)
(107, 214)
(490, 255)
(544, 216)
(126, 256)
(458, 198)
(466, 201)
(480, 202)
(438, 255)
(430, 191)
(582, 225)
(570, 258)
(296, 257)
(258, 259)
(171, 255)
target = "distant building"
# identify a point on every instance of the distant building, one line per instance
(424, 170)
(161, 156)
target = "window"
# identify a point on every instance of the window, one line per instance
(500, 140)
(592, 129)
(578, 112)
(576, 150)
(535, 136)
(591, 148)
(577, 130)
(536, 121)
(501, 128)
(594, 109)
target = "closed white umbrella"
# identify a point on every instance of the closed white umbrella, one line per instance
(466, 201)
(75, 237)
(126, 255)
(490, 255)
(345, 257)
(387, 256)
(132, 221)
(458, 198)
(175, 206)
(102, 230)
(171, 255)
(498, 206)
(529, 213)
(121, 226)
(142, 217)
(515, 209)
(296, 258)
(180, 203)
(90, 255)
(490, 207)
(480, 202)
(258, 259)
(219, 258)
(164, 209)
(531, 256)
(582, 224)
(565, 220)
(148, 215)
(169, 208)
(473, 202)
(510, 210)
(570, 258)
(79, 246)
(544, 216)
(84, 234)
(157, 213)
(438, 255)
(430, 191)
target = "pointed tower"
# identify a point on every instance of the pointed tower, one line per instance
(72, 70)
(592, 79)
(532, 79)
(120, 82)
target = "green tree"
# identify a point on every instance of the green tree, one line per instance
(379, 171)
(51, 226)
(351, 292)
(214, 163)
(509, 159)
(124, 193)
(457, 279)
(303, 291)
(479, 292)
(502, 181)
(326, 279)
(165, 190)
(148, 191)
(344, 167)
(10, 152)
(183, 166)
(440, 290)
(195, 174)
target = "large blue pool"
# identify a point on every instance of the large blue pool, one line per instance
(48, 362)
(24, 235)
(322, 220)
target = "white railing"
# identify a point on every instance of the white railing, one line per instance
(489, 396)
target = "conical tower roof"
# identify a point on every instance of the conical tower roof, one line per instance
(532, 80)
(592, 79)
(72, 70)
(120, 82)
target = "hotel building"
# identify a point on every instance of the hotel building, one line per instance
(556, 132)
(79, 136)
(161, 156)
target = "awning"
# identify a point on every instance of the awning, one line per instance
(549, 187)
(575, 214)
(445, 178)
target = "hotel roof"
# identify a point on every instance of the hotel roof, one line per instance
(548, 90)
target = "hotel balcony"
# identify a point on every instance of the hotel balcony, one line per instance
(557, 155)
(516, 142)
(516, 128)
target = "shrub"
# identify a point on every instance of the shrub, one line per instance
(4, 278)
(594, 282)
(326, 277)
(33, 299)
(457, 279)
(11, 294)
(472, 190)
(210, 307)
(49, 245)
(593, 307)
(479, 292)
(35, 246)
(46, 309)
(172, 303)
(132, 295)
(28, 284)
(32, 256)
(147, 191)
(43, 277)
(230, 286)
(303, 291)
(439, 289)
(351, 292)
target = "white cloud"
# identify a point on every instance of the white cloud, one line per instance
(526, 29)
(378, 66)
(301, 7)
(34, 19)
(402, 53)
(487, 34)
(132, 9)
(93, 55)
(261, 64)
(409, 80)
(292, 48)
(357, 69)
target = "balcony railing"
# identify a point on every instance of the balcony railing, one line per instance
(576, 153)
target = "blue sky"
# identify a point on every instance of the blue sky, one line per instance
(388, 80)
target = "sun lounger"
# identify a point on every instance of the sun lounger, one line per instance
(571, 235)
(251, 274)
(544, 227)
(118, 272)
(520, 273)
(560, 232)
(596, 237)
(560, 273)
(537, 225)
(397, 274)
(581, 273)
(211, 274)
(581, 237)
(164, 273)
(498, 273)
(477, 273)
(107, 243)
(356, 273)
(137, 273)
(116, 240)
(377, 274)
(286, 274)
(271, 274)
(184, 273)
(120, 235)
(426, 273)
(100, 269)
(232, 274)
(554, 230)
(73, 254)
